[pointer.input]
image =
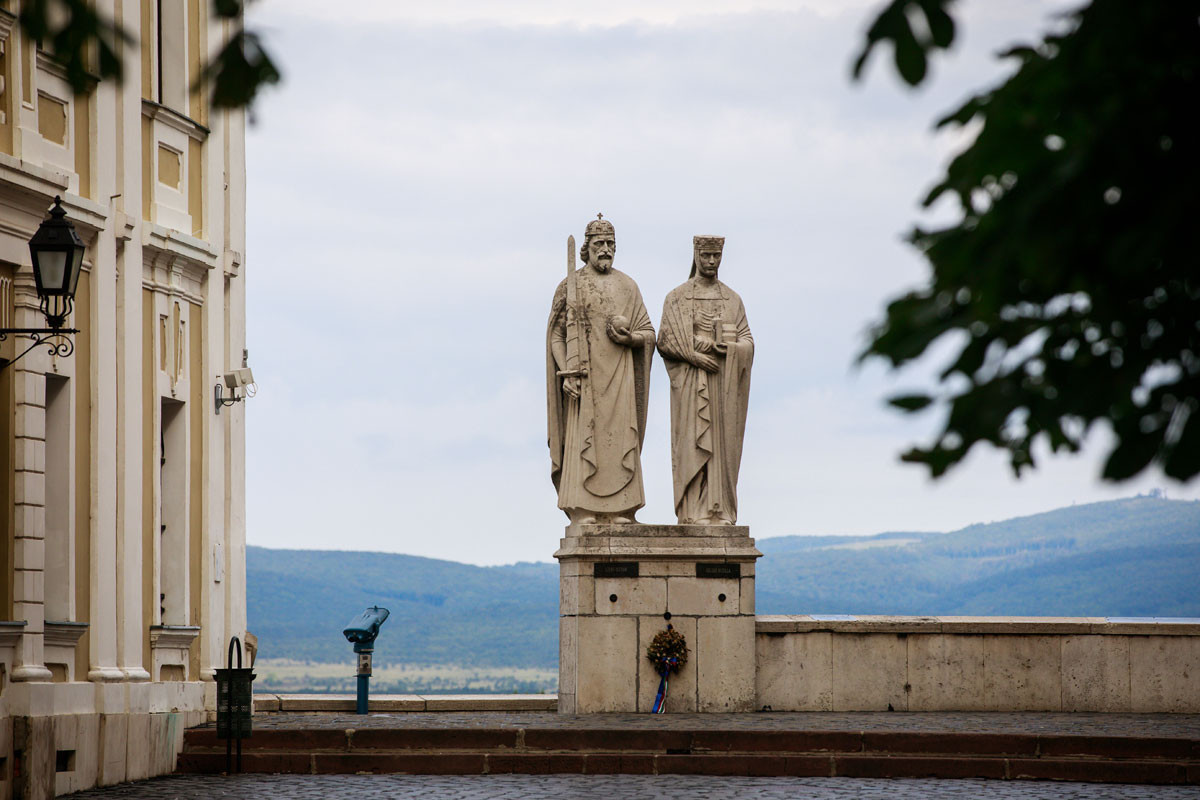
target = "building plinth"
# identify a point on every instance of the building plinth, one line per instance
(617, 586)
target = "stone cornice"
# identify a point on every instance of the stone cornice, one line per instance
(34, 186)
(49, 63)
(172, 118)
(11, 632)
(174, 263)
(84, 214)
(195, 252)
(658, 543)
(173, 637)
(31, 189)
(232, 262)
(7, 21)
(63, 634)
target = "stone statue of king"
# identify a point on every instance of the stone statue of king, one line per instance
(599, 345)
(706, 344)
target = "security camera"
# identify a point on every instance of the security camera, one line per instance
(241, 385)
(239, 378)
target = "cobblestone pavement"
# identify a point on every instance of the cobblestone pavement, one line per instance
(1164, 725)
(611, 787)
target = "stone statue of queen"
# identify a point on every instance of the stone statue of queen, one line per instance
(705, 341)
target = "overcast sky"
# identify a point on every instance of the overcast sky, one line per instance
(411, 188)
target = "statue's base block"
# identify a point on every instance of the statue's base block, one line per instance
(617, 583)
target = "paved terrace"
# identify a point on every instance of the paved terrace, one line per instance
(610, 787)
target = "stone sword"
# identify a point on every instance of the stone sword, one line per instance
(577, 356)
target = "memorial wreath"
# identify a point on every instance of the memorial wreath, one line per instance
(668, 652)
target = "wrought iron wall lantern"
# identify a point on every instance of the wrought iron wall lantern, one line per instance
(57, 254)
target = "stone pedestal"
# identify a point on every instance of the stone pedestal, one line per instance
(617, 583)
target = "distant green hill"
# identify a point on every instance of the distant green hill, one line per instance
(1134, 557)
(442, 612)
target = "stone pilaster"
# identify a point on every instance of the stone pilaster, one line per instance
(104, 562)
(29, 494)
(119, 107)
(130, 412)
(617, 585)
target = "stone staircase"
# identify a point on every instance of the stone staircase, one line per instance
(589, 747)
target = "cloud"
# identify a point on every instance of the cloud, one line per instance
(543, 12)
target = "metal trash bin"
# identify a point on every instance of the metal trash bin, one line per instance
(235, 704)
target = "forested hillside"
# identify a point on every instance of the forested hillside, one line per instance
(1133, 557)
(442, 612)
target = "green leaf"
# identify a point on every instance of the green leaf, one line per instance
(910, 402)
(941, 25)
(885, 26)
(1133, 454)
(911, 53)
(230, 9)
(1183, 463)
(240, 71)
(910, 57)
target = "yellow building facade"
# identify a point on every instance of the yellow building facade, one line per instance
(122, 503)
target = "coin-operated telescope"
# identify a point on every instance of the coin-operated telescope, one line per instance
(361, 632)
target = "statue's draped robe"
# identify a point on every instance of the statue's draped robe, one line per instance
(708, 411)
(596, 440)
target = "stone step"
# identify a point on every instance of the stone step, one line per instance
(389, 703)
(850, 765)
(456, 750)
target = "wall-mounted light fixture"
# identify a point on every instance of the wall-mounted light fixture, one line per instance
(57, 254)
(241, 385)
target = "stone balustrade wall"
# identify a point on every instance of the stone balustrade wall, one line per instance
(848, 663)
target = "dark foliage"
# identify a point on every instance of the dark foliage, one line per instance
(87, 46)
(72, 30)
(1070, 283)
(240, 71)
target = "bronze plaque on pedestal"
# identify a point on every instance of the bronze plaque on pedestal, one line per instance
(615, 569)
(707, 569)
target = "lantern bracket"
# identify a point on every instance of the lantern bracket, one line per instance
(56, 340)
